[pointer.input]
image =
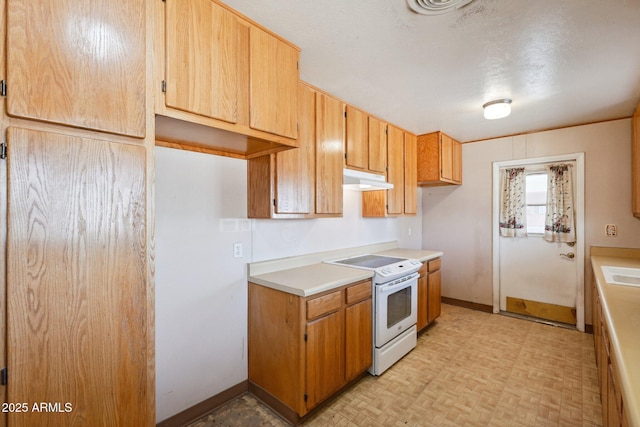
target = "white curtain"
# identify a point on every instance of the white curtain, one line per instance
(513, 203)
(559, 225)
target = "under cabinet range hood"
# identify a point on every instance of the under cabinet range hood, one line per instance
(364, 181)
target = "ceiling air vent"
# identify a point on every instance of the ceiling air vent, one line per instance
(436, 7)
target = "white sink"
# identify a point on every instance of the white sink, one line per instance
(621, 275)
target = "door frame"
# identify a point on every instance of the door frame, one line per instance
(580, 243)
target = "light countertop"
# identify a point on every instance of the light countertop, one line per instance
(309, 275)
(621, 311)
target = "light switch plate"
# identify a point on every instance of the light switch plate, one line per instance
(611, 230)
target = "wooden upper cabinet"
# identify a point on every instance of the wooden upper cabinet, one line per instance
(282, 185)
(78, 63)
(439, 160)
(273, 87)
(295, 169)
(202, 59)
(635, 167)
(377, 146)
(225, 85)
(395, 153)
(410, 174)
(402, 199)
(366, 142)
(356, 144)
(329, 154)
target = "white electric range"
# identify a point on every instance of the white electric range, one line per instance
(395, 294)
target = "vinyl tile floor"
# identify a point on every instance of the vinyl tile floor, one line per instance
(470, 368)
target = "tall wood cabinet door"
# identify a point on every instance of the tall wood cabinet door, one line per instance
(395, 176)
(329, 154)
(325, 357)
(356, 144)
(377, 146)
(359, 336)
(434, 296)
(76, 280)
(295, 169)
(201, 59)
(410, 174)
(273, 86)
(446, 157)
(78, 63)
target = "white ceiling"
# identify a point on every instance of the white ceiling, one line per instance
(562, 62)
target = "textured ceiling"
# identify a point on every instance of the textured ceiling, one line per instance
(562, 62)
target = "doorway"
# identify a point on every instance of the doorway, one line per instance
(531, 276)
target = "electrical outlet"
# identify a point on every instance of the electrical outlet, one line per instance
(611, 230)
(237, 250)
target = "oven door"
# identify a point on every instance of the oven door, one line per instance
(396, 308)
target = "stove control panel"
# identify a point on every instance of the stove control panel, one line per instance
(398, 269)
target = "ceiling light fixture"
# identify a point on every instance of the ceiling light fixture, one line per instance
(436, 7)
(498, 109)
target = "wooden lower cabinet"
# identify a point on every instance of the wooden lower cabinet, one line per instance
(429, 293)
(303, 350)
(613, 410)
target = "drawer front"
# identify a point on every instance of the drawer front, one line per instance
(359, 292)
(323, 305)
(434, 265)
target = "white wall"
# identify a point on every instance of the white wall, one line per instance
(201, 290)
(457, 220)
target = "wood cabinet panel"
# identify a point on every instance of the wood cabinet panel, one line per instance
(410, 175)
(329, 154)
(395, 176)
(276, 344)
(429, 293)
(377, 146)
(446, 157)
(295, 169)
(325, 357)
(78, 63)
(439, 160)
(358, 292)
(324, 304)
(434, 265)
(359, 337)
(434, 282)
(357, 138)
(402, 199)
(423, 305)
(202, 59)
(273, 86)
(76, 274)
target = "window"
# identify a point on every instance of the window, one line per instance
(536, 199)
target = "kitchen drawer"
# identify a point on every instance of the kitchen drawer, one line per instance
(323, 304)
(434, 265)
(359, 292)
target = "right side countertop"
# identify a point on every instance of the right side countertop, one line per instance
(621, 311)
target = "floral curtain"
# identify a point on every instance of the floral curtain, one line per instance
(559, 225)
(513, 203)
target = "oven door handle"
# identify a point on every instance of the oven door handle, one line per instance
(398, 284)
